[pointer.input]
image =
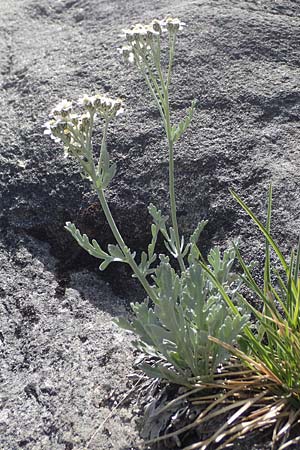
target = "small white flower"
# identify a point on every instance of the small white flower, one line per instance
(127, 53)
(72, 129)
(173, 24)
(50, 130)
(139, 32)
(102, 104)
(63, 108)
(159, 26)
(84, 122)
(87, 101)
(131, 58)
(119, 106)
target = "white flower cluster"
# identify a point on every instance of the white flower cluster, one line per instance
(141, 37)
(105, 106)
(73, 128)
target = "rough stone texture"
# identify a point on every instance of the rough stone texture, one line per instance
(63, 361)
(241, 60)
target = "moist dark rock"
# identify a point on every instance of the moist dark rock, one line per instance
(240, 59)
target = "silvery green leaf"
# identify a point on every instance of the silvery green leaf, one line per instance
(105, 264)
(124, 324)
(185, 251)
(196, 234)
(221, 265)
(144, 259)
(148, 259)
(172, 240)
(151, 246)
(108, 175)
(160, 371)
(177, 361)
(159, 219)
(93, 249)
(158, 334)
(104, 158)
(171, 249)
(187, 311)
(116, 252)
(178, 130)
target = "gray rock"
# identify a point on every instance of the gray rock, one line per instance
(240, 59)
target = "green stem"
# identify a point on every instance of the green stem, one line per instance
(110, 219)
(103, 144)
(173, 201)
(123, 246)
(172, 39)
(152, 91)
(168, 129)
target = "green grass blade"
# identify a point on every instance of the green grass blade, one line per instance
(220, 288)
(280, 302)
(297, 267)
(262, 229)
(251, 283)
(297, 283)
(290, 299)
(280, 281)
(267, 275)
(297, 306)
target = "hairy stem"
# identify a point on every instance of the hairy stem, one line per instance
(172, 192)
(123, 246)
(112, 224)
(172, 39)
(168, 129)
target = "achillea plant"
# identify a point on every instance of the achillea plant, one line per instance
(182, 308)
(194, 319)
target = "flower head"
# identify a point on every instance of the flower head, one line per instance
(174, 24)
(72, 128)
(103, 105)
(127, 53)
(159, 26)
(143, 34)
(143, 40)
(63, 108)
(61, 129)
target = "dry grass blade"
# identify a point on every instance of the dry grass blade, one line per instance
(222, 432)
(211, 405)
(109, 416)
(176, 400)
(260, 367)
(263, 418)
(245, 402)
(289, 443)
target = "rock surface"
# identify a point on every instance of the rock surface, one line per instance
(63, 361)
(240, 59)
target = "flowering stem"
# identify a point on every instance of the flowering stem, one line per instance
(122, 245)
(103, 144)
(117, 235)
(168, 129)
(153, 93)
(172, 186)
(172, 39)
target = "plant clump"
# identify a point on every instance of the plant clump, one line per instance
(194, 326)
